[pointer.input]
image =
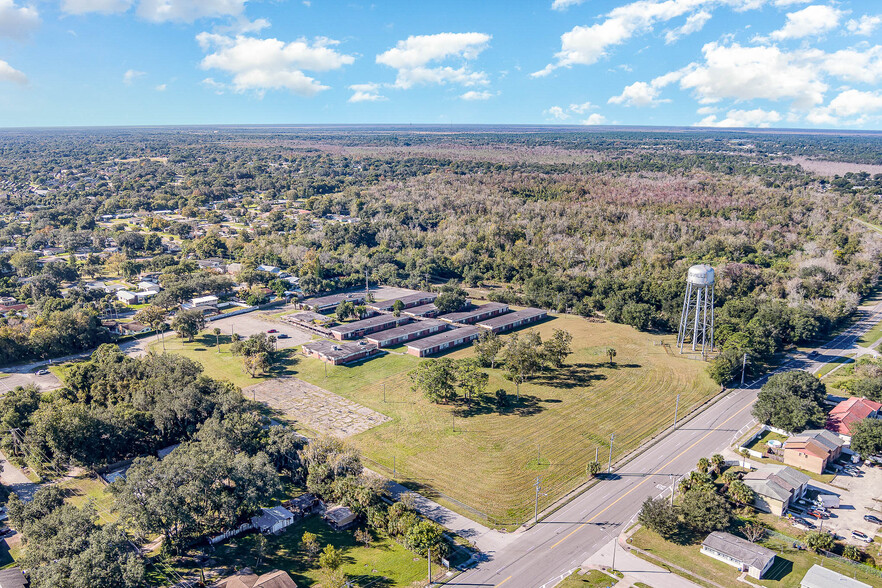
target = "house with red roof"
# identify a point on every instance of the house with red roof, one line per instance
(848, 413)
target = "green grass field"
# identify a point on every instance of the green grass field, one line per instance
(789, 569)
(490, 460)
(870, 336)
(832, 365)
(86, 488)
(385, 562)
(592, 579)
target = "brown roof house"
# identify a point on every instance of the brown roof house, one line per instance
(812, 450)
(245, 578)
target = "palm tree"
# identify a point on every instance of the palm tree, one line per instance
(703, 465)
(717, 462)
(217, 333)
(611, 353)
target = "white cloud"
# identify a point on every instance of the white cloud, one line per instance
(218, 87)
(412, 56)
(557, 112)
(850, 64)
(585, 45)
(853, 102)
(748, 73)
(420, 50)
(785, 3)
(743, 118)
(812, 20)
(705, 110)
(594, 119)
(694, 23)
(865, 25)
(561, 113)
(850, 107)
(188, 10)
(99, 6)
(161, 88)
(10, 74)
(366, 93)
(17, 21)
(475, 95)
(564, 4)
(271, 64)
(131, 75)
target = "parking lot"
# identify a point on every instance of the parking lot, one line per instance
(859, 495)
(253, 323)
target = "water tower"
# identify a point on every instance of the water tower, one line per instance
(697, 320)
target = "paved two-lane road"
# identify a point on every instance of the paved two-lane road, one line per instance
(567, 538)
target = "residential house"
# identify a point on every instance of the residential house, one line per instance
(739, 553)
(13, 578)
(207, 304)
(821, 577)
(303, 505)
(272, 520)
(340, 517)
(848, 413)
(245, 578)
(776, 488)
(812, 450)
(132, 328)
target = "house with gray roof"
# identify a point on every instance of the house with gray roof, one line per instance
(776, 488)
(821, 577)
(272, 520)
(739, 553)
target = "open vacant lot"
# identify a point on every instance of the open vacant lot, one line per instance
(488, 457)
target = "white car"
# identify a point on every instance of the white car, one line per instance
(862, 536)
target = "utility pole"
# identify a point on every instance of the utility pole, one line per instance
(676, 411)
(743, 368)
(615, 544)
(536, 507)
(609, 467)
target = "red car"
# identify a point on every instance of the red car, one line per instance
(818, 514)
(273, 331)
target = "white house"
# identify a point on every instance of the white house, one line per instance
(740, 553)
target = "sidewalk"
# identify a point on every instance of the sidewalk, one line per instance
(635, 569)
(487, 540)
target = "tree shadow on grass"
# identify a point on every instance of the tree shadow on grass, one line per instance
(374, 580)
(577, 375)
(526, 405)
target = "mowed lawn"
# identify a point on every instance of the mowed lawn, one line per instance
(788, 570)
(486, 457)
(489, 458)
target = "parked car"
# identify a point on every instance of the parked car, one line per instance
(818, 513)
(813, 353)
(42, 372)
(862, 536)
(873, 519)
(273, 331)
(282, 336)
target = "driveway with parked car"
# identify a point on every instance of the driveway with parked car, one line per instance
(859, 515)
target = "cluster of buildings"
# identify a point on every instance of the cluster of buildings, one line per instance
(411, 320)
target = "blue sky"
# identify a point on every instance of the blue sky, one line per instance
(778, 63)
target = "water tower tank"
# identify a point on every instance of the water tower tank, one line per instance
(701, 275)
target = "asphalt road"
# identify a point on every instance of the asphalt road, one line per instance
(569, 536)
